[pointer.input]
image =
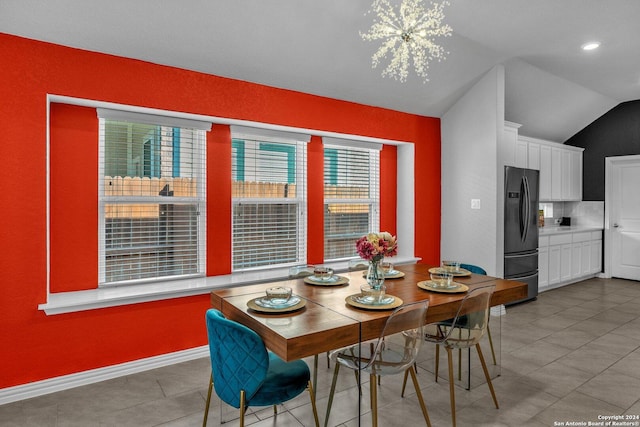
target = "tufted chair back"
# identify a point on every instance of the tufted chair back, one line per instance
(239, 359)
(474, 269)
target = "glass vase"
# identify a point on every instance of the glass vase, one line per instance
(375, 274)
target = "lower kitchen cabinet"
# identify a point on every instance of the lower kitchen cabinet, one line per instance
(568, 257)
(543, 267)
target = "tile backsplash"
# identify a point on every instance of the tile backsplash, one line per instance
(584, 214)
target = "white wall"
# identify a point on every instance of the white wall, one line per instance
(549, 107)
(470, 132)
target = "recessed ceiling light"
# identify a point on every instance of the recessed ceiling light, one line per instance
(591, 46)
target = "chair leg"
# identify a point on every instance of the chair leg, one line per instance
(404, 382)
(452, 391)
(312, 395)
(206, 407)
(315, 372)
(493, 352)
(328, 361)
(242, 407)
(487, 376)
(437, 361)
(460, 356)
(371, 349)
(331, 393)
(374, 400)
(406, 375)
(414, 378)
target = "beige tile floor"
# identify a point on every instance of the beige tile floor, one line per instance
(570, 356)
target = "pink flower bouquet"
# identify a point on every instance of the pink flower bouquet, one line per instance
(375, 246)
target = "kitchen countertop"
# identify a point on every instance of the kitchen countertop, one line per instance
(557, 229)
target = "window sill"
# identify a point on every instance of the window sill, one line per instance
(70, 302)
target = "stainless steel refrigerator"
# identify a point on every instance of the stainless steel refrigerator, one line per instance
(521, 227)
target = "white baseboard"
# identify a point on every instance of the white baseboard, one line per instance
(52, 385)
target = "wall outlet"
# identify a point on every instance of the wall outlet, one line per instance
(475, 203)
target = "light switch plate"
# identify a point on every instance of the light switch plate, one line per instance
(475, 203)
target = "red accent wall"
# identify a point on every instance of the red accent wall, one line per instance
(73, 197)
(315, 204)
(36, 346)
(219, 200)
(388, 190)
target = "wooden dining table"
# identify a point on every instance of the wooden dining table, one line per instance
(327, 321)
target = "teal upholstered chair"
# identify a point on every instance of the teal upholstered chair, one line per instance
(394, 352)
(245, 374)
(474, 269)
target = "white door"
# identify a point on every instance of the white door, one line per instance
(622, 201)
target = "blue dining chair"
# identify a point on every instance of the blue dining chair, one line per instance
(245, 374)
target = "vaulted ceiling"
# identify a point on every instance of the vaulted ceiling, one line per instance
(553, 88)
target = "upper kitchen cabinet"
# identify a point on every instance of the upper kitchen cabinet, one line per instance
(511, 151)
(560, 165)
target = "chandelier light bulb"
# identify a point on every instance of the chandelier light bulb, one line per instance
(408, 34)
(591, 46)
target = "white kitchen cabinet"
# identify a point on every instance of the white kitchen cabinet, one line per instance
(596, 252)
(543, 264)
(507, 145)
(560, 167)
(533, 155)
(571, 175)
(580, 254)
(585, 258)
(545, 172)
(556, 173)
(554, 265)
(576, 259)
(560, 259)
(521, 154)
(565, 175)
(568, 257)
(575, 176)
(565, 262)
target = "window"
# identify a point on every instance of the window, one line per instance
(269, 198)
(351, 197)
(152, 198)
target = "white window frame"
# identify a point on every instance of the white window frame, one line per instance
(99, 298)
(199, 200)
(299, 141)
(373, 151)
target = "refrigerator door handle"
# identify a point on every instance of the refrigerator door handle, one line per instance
(521, 209)
(524, 208)
(527, 207)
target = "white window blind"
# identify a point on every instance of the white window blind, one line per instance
(152, 198)
(351, 197)
(269, 200)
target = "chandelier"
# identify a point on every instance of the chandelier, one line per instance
(407, 33)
